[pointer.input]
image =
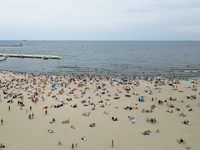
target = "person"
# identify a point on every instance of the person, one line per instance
(72, 146)
(1, 121)
(181, 141)
(9, 108)
(84, 138)
(147, 132)
(53, 120)
(32, 115)
(45, 112)
(112, 143)
(50, 131)
(92, 125)
(30, 108)
(59, 143)
(76, 144)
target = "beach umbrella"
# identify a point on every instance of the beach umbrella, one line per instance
(142, 100)
(53, 85)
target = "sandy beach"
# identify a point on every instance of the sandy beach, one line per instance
(106, 98)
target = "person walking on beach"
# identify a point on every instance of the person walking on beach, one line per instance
(112, 143)
(72, 146)
(32, 115)
(30, 108)
(45, 112)
(9, 108)
(1, 122)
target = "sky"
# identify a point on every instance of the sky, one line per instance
(100, 20)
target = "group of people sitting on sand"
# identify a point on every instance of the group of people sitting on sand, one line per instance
(187, 122)
(65, 121)
(2, 146)
(183, 115)
(191, 96)
(87, 114)
(172, 99)
(130, 108)
(147, 111)
(131, 118)
(170, 111)
(114, 119)
(152, 120)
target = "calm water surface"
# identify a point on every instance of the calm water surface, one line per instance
(110, 58)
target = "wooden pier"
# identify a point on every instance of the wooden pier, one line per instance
(2, 58)
(31, 56)
(20, 45)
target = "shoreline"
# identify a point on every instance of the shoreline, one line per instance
(101, 76)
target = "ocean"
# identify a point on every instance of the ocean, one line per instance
(107, 58)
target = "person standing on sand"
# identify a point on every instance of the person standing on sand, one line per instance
(1, 121)
(9, 108)
(72, 146)
(30, 108)
(112, 143)
(45, 112)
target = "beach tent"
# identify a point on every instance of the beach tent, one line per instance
(142, 100)
(53, 85)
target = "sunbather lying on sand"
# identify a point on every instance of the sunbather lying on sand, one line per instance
(108, 104)
(105, 112)
(183, 115)
(92, 125)
(87, 114)
(50, 131)
(147, 132)
(170, 111)
(72, 127)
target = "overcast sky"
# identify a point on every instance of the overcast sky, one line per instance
(100, 19)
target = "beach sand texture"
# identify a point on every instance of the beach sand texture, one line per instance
(20, 132)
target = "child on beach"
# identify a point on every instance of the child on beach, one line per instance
(1, 121)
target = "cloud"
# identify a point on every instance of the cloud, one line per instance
(190, 29)
(164, 6)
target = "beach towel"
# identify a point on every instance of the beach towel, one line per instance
(146, 133)
(50, 122)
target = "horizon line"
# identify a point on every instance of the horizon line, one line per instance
(111, 40)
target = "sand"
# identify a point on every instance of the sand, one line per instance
(19, 132)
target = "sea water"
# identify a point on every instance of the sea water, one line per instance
(107, 58)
